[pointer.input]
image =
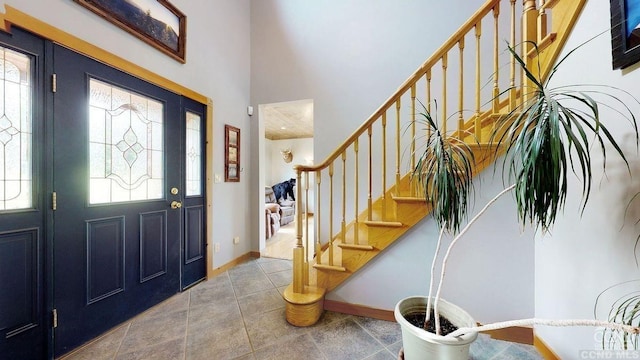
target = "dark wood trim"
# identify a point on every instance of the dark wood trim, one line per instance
(232, 167)
(358, 310)
(516, 334)
(108, 11)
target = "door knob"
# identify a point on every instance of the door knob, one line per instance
(176, 204)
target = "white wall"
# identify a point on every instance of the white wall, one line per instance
(217, 66)
(586, 254)
(268, 162)
(302, 149)
(348, 56)
(490, 273)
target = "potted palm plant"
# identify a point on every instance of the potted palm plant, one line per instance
(445, 172)
(548, 136)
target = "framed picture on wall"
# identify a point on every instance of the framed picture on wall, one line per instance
(231, 153)
(156, 22)
(625, 32)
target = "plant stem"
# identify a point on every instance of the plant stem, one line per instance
(455, 240)
(433, 271)
(547, 322)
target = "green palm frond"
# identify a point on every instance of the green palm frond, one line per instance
(550, 135)
(444, 171)
(625, 309)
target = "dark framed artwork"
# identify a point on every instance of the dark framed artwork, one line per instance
(156, 22)
(231, 153)
(625, 32)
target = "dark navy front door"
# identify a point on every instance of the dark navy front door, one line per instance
(119, 183)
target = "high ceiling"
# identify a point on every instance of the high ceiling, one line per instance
(288, 120)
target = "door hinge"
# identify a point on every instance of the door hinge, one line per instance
(54, 201)
(54, 318)
(54, 83)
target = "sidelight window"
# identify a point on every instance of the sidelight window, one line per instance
(194, 155)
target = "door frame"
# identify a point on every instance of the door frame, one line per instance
(14, 17)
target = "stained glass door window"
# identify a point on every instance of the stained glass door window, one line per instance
(16, 134)
(193, 155)
(126, 145)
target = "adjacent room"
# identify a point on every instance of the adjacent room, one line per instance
(288, 133)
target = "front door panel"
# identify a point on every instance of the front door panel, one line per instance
(23, 326)
(117, 157)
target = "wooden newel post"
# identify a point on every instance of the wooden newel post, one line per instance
(542, 21)
(298, 251)
(529, 22)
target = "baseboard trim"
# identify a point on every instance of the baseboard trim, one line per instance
(244, 258)
(544, 349)
(517, 334)
(358, 310)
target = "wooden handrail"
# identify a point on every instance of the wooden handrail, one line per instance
(428, 64)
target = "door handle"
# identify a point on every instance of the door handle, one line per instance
(176, 204)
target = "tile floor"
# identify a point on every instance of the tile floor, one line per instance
(240, 315)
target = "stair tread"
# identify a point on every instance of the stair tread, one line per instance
(330, 267)
(384, 223)
(356, 247)
(409, 199)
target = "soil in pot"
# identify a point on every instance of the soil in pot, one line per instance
(417, 320)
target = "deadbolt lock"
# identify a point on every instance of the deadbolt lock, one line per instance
(174, 191)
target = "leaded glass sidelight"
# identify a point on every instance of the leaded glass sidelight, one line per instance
(126, 145)
(16, 131)
(194, 155)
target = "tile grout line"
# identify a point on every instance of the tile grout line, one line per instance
(384, 347)
(186, 330)
(324, 355)
(243, 319)
(244, 323)
(115, 356)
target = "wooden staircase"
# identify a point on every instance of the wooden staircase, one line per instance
(351, 228)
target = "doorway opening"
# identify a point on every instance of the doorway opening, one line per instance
(288, 141)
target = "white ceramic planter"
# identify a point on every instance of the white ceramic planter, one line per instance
(419, 344)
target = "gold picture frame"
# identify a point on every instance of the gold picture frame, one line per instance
(232, 167)
(156, 22)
